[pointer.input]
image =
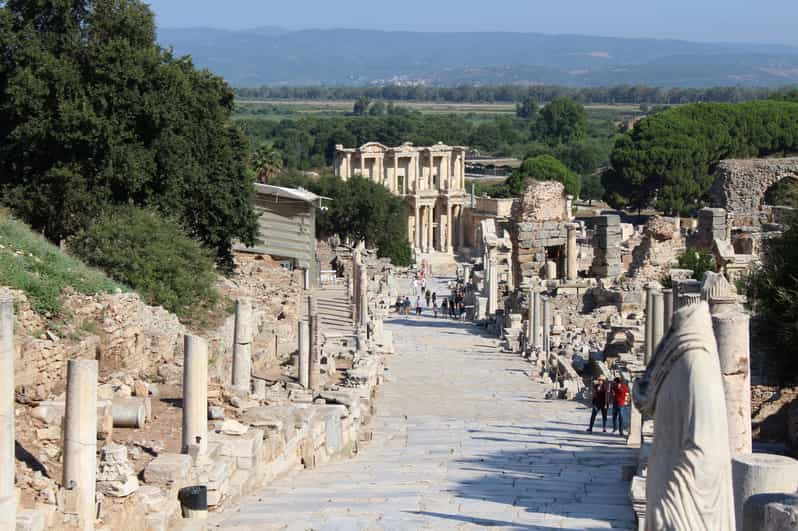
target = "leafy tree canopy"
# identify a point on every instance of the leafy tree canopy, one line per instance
(527, 109)
(544, 168)
(563, 120)
(668, 159)
(93, 113)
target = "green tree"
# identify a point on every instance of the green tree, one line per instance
(772, 291)
(361, 107)
(528, 109)
(669, 158)
(563, 120)
(543, 168)
(152, 255)
(378, 108)
(267, 163)
(93, 113)
(699, 262)
(592, 188)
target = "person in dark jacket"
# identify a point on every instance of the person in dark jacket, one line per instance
(600, 401)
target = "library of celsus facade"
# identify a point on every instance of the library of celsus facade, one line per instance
(431, 179)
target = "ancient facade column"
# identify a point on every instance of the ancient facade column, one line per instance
(658, 320)
(430, 228)
(8, 501)
(493, 287)
(80, 440)
(314, 378)
(667, 298)
(395, 183)
(571, 254)
(460, 227)
(649, 343)
(304, 354)
(732, 335)
(242, 345)
(449, 218)
(195, 397)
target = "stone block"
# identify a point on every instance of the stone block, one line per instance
(168, 469)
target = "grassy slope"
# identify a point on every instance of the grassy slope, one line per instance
(31, 264)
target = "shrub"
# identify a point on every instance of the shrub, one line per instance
(34, 266)
(544, 168)
(772, 291)
(699, 262)
(152, 255)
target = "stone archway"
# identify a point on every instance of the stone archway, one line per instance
(740, 185)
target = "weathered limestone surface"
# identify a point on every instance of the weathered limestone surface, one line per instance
(452, 452)
(689, 480)
(607, 246)
(740, 185)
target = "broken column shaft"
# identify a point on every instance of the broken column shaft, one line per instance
(732, 335)
(242, 345)
(546, 327)
(649, 343)
(304, 354)
(537, 318)
(7, 495)
(363, 316)
(80, 440)
(195, 397)
(314, 333)
(571, 252)
(658, 320)
(493, 287)
(667, 299)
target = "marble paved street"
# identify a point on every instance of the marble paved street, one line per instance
(463, 439)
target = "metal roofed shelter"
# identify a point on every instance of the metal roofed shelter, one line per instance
(287, 228)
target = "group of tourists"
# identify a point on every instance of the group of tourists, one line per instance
(452, 306)
(604, 395)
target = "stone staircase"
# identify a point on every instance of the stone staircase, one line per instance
(335, 311)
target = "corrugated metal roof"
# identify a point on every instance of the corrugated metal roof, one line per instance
(299, 194)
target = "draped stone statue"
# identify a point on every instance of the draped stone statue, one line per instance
(689, 483)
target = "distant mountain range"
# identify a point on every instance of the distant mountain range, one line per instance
(271, 55)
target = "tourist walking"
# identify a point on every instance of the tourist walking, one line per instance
(435, 309)
(600, 397)
(407, 306)
(415, 286)
(434, 298)
(418, 306)
(619, 392)
(444, 307)
(427, 296)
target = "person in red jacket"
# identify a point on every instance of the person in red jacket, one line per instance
(619, 394)
(600, 396)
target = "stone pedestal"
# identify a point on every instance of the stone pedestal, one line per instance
(304, 354)
(732, 335)
(195, 398)
(761, 474)
(635, 427)
(80, 441)
(8, 515)
(242, 345)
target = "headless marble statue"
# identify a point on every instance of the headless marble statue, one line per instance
(688, 486)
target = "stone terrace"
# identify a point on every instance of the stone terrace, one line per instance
(463, 439)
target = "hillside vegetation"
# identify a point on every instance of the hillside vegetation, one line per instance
(31, 264)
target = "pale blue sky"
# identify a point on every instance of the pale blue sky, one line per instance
(768, 21)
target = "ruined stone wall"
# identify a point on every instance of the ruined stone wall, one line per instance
(658, 250)
(538, 222)
(607, 239)
(740, 185)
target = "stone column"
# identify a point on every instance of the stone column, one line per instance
(449, 216)
(80, 441)
(571, 252)
(732, 335)
(537, 318)
(242, 345)
(667, 302)
(314, 378)
(304, 354)
(395, 183)
(761, 474)
(493, 287)
(530, 317)
(635, 428)
(546, 328)
(417, 243)
(430, 228)
(460, 227)
(195, 397)
(658, 318)
(649, 324)
(8, 502)
(569, 207)
(363, 318)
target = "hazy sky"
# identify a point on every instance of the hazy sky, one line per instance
(771, 21)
